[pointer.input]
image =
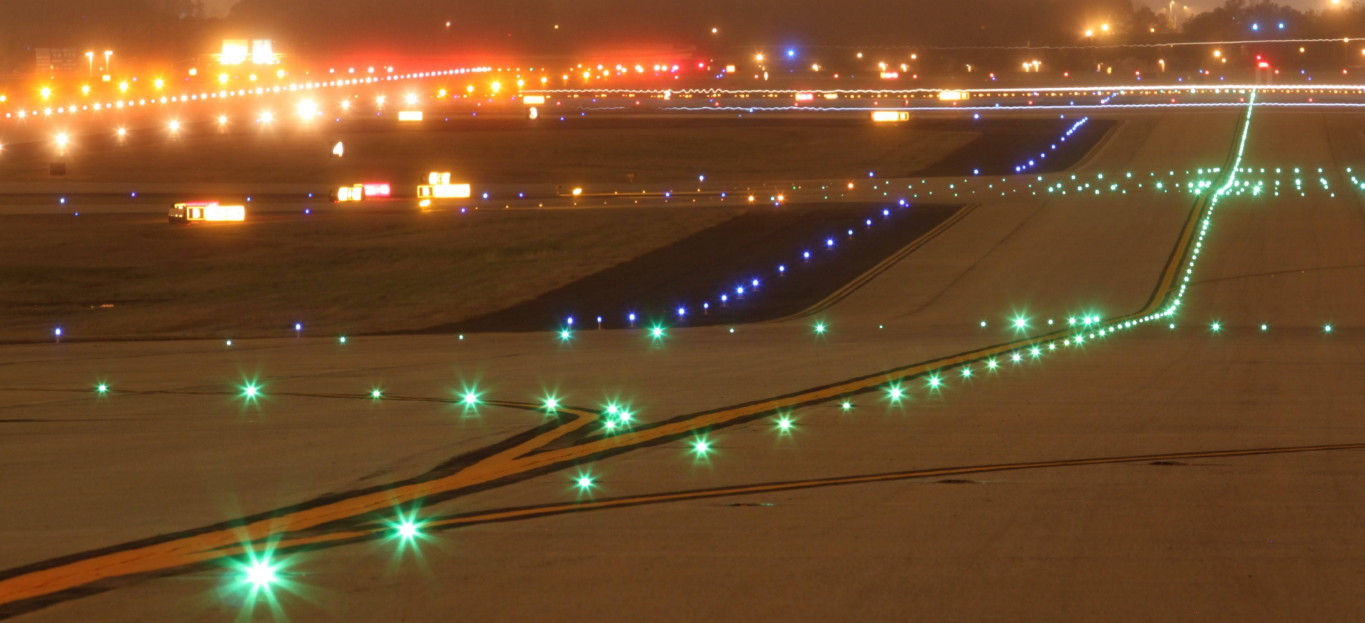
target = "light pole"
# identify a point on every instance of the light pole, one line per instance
(90, 56)
(1090, 46)
(107, 69)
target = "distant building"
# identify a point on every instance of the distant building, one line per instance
(255, 51)
(234, 51)
(56, 60)
(262, 52)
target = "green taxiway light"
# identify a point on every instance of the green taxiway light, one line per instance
(102, 388)
(1327, 329)
(656, 332)
(408, 530)
(966, 372)
(250, 391)
(342, 339)
(701, 446)
(584, 482)
(1016, 358)
(934, 382)
(1217, 326)
(565, 335)
(1264, 327)
(992, 364)
(260, 574)
(376, 394)
(551, 404)
(784, 424)
(846, 405)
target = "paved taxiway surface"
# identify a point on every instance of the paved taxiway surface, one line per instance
(1205, 537)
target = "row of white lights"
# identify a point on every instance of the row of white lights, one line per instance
(21, 114)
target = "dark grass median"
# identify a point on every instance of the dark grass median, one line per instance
(1004, 144)
(696, 271)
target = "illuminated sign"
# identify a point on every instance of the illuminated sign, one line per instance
(729, 69)
(205, 211)
(533, 99)
(350, 193)
(831, 96)
(890, 115)
(890, 75)
(443, 191)
(409, 115)
(434, 178)
(225, 213)
(805, 97)
(377, 189)
(953, 96)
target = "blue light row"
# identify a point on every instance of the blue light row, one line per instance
(751, 285)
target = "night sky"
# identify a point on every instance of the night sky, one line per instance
(221, 7)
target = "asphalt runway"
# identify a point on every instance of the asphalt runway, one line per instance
(1147, 468)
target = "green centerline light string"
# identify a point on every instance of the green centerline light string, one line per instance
(1230, 183)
